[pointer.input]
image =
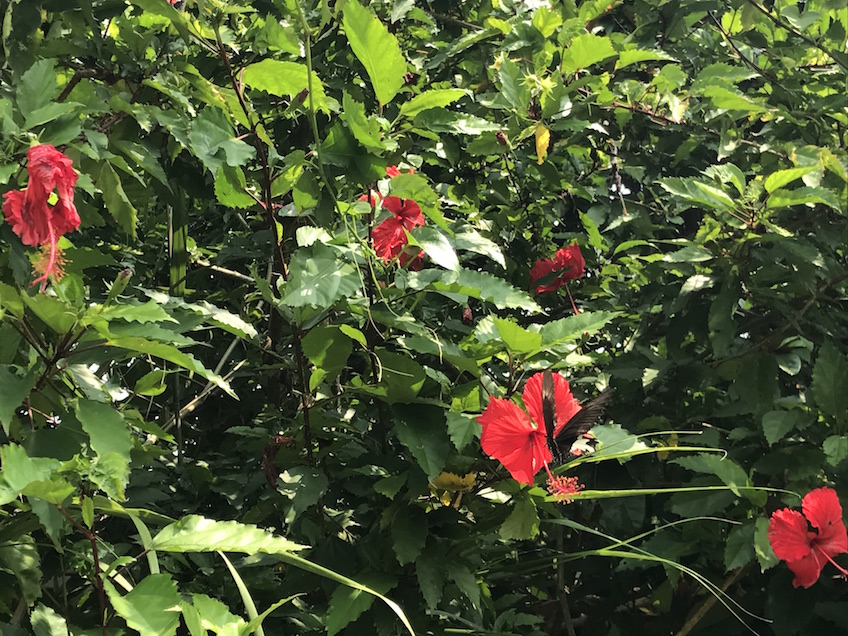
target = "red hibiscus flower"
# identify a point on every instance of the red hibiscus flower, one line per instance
(806, 552)
(517, 439)
(31, 216)
(567, 260)
(390, 236)
(393, 171)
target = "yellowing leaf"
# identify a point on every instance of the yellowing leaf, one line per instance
(543, 138)
(453, 482)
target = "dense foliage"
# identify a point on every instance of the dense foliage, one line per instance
(304, 268)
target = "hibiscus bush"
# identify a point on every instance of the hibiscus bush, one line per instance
(492, 317)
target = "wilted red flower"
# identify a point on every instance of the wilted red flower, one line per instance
(567, 260)
(33, 219)
(517, 439)
(804, 551)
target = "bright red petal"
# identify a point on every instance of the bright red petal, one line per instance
(407, 210)
(389, 238)
(542, 268)
(510, 436)
(807, 570)
(822, 509)
(571, 261)
(788, 535)
(567, 405)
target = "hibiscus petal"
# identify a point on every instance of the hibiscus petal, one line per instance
(389, 238)
(806, 570)
(788, 535)
(510, 436)
(823, 511)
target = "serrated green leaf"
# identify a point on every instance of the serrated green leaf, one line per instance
(522, 523)
(57, 314)
(436, 98)
(328, 348)
(739, 548)
(285, 79)
(462, 428)
(197, 534)
(17, 470)
(319, 277)
(376, 48)
(776, 424)
(436, 246)
(15, 390)
(472, 241)
(431, 579)
(151, 608)
(415, 187)
(116, 200)
(422, 430)
(585, 50)
(304, 486)
(487, 287)
(46, 621)
(105, 427)
(634, 56)
(347, 604)
(37, 87)
(575, 327)
(217, 616)
(784, 177)
(22, 560)
(517, 339)
(804, 196)
(835, 448)
(441, 120)
(230, 188)
(762, 546)
(830, 375)
(366, 131)
(409, 533)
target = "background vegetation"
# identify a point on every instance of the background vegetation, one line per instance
(264, 383)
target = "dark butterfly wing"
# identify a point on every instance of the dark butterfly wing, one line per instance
(549, 409)
(584, 419)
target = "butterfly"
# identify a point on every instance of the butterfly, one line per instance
(589, 414)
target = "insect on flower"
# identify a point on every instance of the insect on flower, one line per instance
(31, 216)
(525, 442)
(806, 552)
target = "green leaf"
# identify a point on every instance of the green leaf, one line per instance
(151, 608)
(830, 374)
(367, 131)
(319, 277)
(116, 200)
(217, 616)
(614, 440)
(728, 471)
(105, 426)
(462, 428)
(517, 339)
(304, 486)
(87, 510)
(585, 50)
(401, 378)
(285, 79)
(150, 311)
(409, 533)
(575, 327)
(513, 87)
(471, 240)
(431, 579)
(784, 177)
(376, 48)
(546, 21)
(739, 548)
(328, 349)
(348, 604)
(441, 120)
(21, 559)
(487, 287)
(634, 56)
(37, 87)
(522, 524)
(57, 314)
(804, 196)
(171, 354)
(422, 431)
(213, 142)
(17, 470)
(230, 188)
(835, 449)
(197, 534)
(762, 546)
(47, 622)
(53, 491)
(110, 472)
(732, 99)
(436, 98)
(437, 247)
(15, 391)
(776, 424)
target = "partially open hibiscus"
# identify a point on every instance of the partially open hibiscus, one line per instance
(518, 439)
(806, 552)
(567, 264)
(390, 236)
(34, 219)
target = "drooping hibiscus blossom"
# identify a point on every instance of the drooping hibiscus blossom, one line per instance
(34, 219)
(806, 552)
(517, 438)
(568, 260)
